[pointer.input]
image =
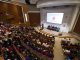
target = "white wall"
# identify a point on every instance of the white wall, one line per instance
(68, 13)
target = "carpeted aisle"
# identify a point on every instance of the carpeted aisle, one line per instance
(58, 53)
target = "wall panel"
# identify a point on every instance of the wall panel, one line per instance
(34, 19)
(11, 13)
(77, 26)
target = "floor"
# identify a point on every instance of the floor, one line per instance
(58, 53)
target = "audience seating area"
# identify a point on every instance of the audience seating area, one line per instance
(40, 43)
(13, 39)
(71, 51)
(26, 43)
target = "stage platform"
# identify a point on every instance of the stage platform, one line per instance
(54, 33)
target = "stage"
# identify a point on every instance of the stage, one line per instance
(54, 33)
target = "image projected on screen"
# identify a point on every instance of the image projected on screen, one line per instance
(55, 17)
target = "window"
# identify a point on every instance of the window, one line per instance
(55, 17)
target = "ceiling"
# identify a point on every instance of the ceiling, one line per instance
(36, 1)
(47, 3)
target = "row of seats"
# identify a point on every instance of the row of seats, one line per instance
(11, 48)
(25, 52)
(7, 50)
(40, 43)
(71, 51)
